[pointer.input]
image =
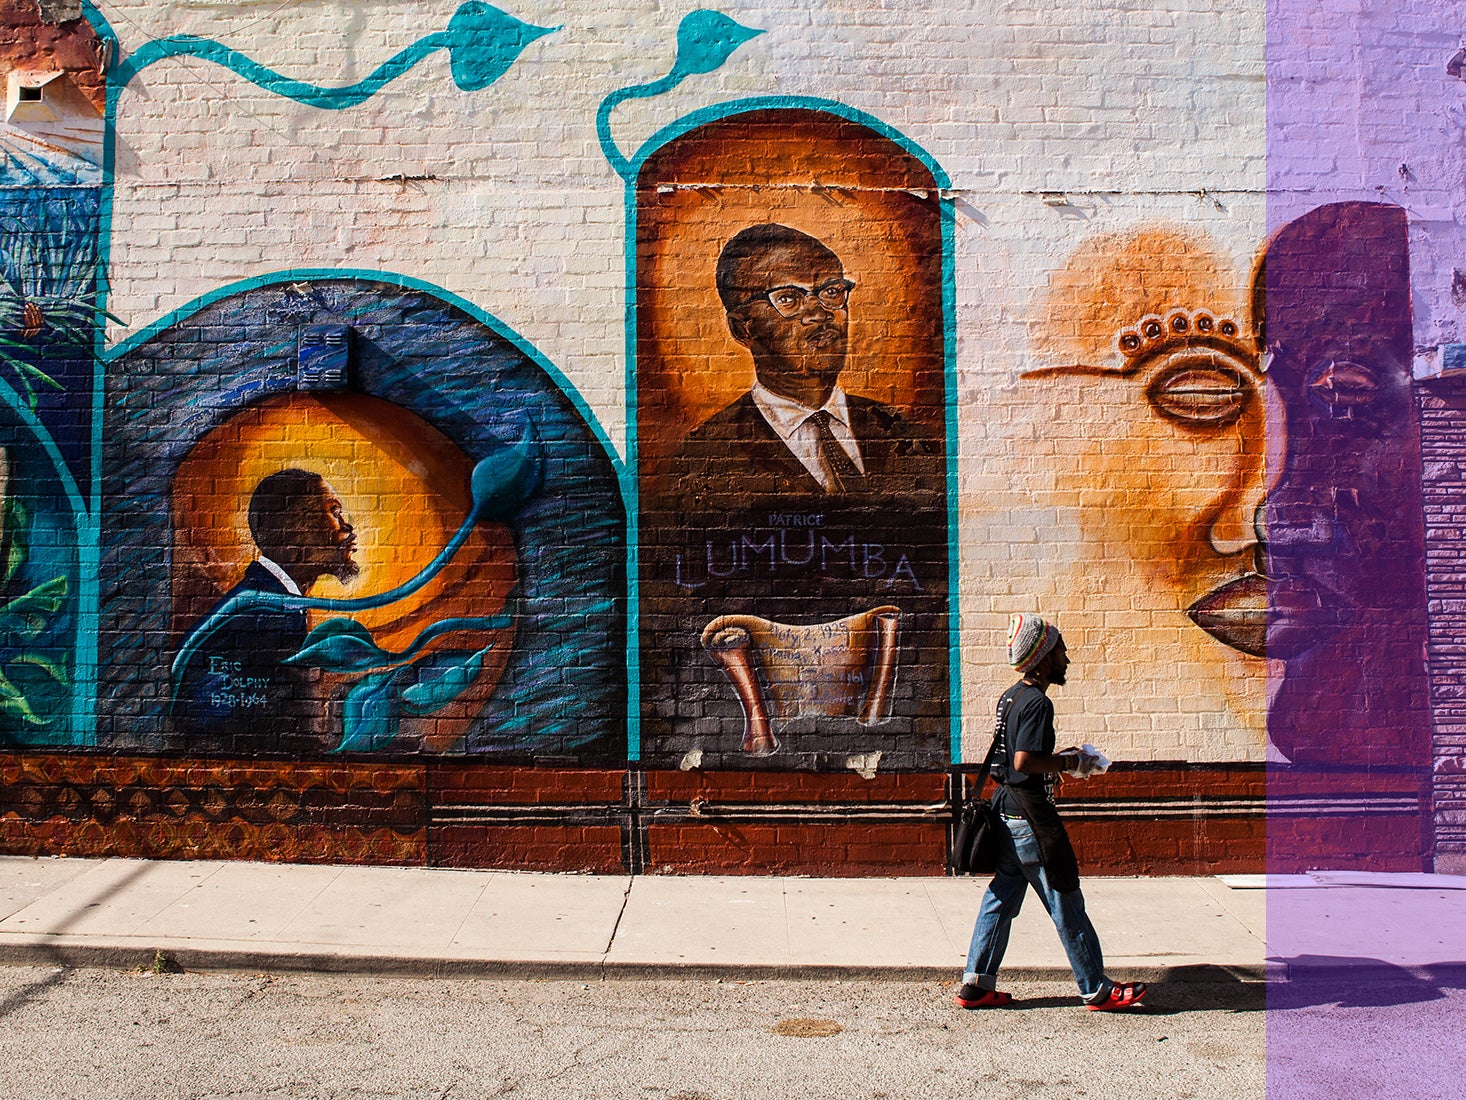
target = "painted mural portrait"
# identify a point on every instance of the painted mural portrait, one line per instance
(235, 685)
(368, 501)
(792, 462)
(1240, 483)
(796, 432)
(421, 553)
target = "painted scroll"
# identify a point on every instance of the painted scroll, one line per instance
(841, 669)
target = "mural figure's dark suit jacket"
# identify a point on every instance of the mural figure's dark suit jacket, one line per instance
(235, 693)
(740, 525)
(735, 460)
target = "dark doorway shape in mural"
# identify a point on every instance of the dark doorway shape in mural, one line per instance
(306, 561)
(790, 433)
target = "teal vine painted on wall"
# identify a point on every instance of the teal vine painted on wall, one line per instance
(482, 43)
(705, 39)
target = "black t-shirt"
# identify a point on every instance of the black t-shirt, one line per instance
(1025, 723)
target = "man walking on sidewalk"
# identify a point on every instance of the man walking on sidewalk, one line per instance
(1033, 847)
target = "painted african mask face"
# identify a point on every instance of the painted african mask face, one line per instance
(1251, 472)
(1149, 405)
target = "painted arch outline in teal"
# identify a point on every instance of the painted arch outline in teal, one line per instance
(947, 214)
(309, 274)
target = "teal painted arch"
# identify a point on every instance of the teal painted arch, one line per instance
(305, 275)
(947, 216)
(718, 111)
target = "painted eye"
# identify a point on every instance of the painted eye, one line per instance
(787, 299)
(834, 295)
(1200, 393)
(1345, 387)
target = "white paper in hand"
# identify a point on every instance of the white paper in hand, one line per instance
(1101, 761)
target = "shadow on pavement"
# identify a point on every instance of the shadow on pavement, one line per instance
(1359, 982)
(17, 999)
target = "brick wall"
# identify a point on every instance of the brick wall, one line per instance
(463, 293)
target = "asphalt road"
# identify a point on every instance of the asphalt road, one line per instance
(97, 1033)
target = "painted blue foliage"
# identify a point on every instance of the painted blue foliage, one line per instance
(482, 43)
(369, 718)
(442, 679)
(705, 40)
(50, 286)
(341, 645)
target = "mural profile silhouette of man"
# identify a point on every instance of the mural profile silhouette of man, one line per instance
(796, 432)
(235, 692)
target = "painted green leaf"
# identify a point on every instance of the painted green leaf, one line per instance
(26, 616)
(56, 669)
(341, 645)
(13, 704)
(441, 679)
(368, 719)
(17, 523)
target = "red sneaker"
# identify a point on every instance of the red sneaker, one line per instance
(970, 996)
(1121, 996)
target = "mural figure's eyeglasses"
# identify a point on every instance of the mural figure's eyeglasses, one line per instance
(791, 300)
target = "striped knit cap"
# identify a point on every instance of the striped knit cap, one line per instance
(1029, 638)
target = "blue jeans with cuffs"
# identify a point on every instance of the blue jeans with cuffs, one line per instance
(1018, 868)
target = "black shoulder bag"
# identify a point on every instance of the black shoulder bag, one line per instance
(975, 842)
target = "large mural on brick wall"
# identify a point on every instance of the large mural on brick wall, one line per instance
(1241, 454)
(337, 517)
(50, 196)
(359, 520)
(312, 516)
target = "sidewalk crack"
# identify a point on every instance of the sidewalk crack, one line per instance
(616, 927)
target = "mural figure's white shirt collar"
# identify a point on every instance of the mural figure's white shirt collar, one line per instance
(791, 423)
(280, 575)
(786, 416)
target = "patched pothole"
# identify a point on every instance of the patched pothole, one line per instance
(802, 1028)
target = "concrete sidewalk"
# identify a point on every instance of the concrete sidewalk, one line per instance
(116, 912)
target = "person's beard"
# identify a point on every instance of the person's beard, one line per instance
(346, 570)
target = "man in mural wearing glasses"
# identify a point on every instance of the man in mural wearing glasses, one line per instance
(797, 433)
(232, 689)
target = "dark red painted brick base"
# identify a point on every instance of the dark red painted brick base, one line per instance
(1152, 819)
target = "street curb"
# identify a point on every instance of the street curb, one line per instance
(143, 957)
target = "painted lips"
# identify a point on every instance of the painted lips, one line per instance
(1279, 619)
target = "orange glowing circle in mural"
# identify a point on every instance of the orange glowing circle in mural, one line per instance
(403, 486)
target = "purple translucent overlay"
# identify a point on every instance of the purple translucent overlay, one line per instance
(1363, 177)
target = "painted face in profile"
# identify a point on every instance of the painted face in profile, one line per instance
(328, 539)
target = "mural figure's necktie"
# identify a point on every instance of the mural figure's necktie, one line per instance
(845, 476)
